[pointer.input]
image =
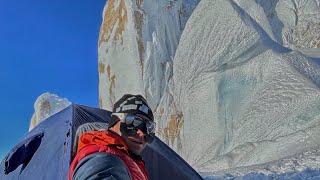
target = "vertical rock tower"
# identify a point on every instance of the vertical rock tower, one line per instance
(137, 43)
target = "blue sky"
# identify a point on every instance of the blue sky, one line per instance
(45, 46)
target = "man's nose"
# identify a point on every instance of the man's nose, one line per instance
(140, 133)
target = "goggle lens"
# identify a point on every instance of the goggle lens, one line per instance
(146, 126)
(134, 122)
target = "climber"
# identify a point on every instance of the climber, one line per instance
(115, 152)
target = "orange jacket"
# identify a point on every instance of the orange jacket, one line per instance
(106, 141)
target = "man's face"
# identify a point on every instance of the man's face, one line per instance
(135, 143)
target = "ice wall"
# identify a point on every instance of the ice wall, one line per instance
(245, 98)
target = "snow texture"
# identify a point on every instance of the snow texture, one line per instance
(252, 99)
(311, 174)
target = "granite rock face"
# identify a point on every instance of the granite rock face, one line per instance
(137, 43)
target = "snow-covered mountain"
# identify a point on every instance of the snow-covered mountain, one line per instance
(230, 85)
(45, 106)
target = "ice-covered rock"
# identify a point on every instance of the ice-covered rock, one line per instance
(292, 23)
(229, 85)
(244, 97)
(301, 23)
(45, 106)
(291, 164)
(137, 43)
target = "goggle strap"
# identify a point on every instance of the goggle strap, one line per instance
(120, 116)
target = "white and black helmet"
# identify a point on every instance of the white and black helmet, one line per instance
(131, 104)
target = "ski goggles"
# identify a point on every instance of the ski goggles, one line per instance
(133, 123)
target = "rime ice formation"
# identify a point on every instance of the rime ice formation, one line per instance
(252, 99)
(234, 85)
(296, 164)
(45, 106)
